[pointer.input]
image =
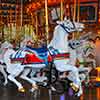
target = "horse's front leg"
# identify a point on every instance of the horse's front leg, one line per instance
(25, 77)
(4, 74)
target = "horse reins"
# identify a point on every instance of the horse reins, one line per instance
(65, 28)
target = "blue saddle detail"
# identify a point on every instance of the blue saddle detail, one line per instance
(38, 50)
(53, 50)
(42, 52)
(17, 55)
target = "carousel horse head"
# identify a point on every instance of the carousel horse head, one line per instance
(61, 33)
(6, 44)
(75, 44)
(71, 26)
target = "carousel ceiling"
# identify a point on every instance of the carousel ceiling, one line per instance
(14, 1)
(27, 1)
(33, 6)
(10, 7)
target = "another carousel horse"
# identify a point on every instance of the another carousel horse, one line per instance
(60, 43)
(2, 65)
(79, 51)
(89, 53)
(88, 58)
(15, 69)
(2, 70)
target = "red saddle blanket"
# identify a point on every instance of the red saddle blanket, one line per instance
(33, 59)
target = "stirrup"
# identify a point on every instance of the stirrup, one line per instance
(74, 87)
(21, 90)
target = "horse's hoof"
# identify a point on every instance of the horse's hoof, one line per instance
(52, 88)
(78, 95)
(74, 87)
(35, 87)
(21, 90)
(32, 90)
(5, 83)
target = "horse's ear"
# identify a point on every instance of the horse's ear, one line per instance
(65, 18)
(59, 22)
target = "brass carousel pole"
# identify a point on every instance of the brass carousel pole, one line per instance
(21, 24)
(36, 25)
(78, 17)
(61, 12)
(1, 24)
(21, 13)
(78, 11)
(31, 25)
(46, 16)
(74, 15)
(10, 26)
(16, 19)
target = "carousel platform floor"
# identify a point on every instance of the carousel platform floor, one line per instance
(10, 93)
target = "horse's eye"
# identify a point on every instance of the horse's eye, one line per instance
(77, 43)
(73, 43)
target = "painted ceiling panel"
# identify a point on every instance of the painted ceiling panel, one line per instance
(25, 1)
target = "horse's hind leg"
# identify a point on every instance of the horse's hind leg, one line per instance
(14, 73)
(19, 85)
(4, 74)
(25, 77)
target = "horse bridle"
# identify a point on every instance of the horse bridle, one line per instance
(65, 27)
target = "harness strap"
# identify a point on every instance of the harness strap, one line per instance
(62, 25)
(82, 63)
(71, 46)
(61, 56)
(65, 28)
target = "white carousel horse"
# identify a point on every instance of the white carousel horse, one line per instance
(14, 69)
(87, 59)
(83, 52)
(89, 53)
(2, 65)
(2, 70)
(60, 42)
(59, 45)
(76, 55)
(79, 50)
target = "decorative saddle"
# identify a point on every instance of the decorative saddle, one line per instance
(37, 56)
(41, 55)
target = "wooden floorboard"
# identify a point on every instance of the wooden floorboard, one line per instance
(11, 93)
